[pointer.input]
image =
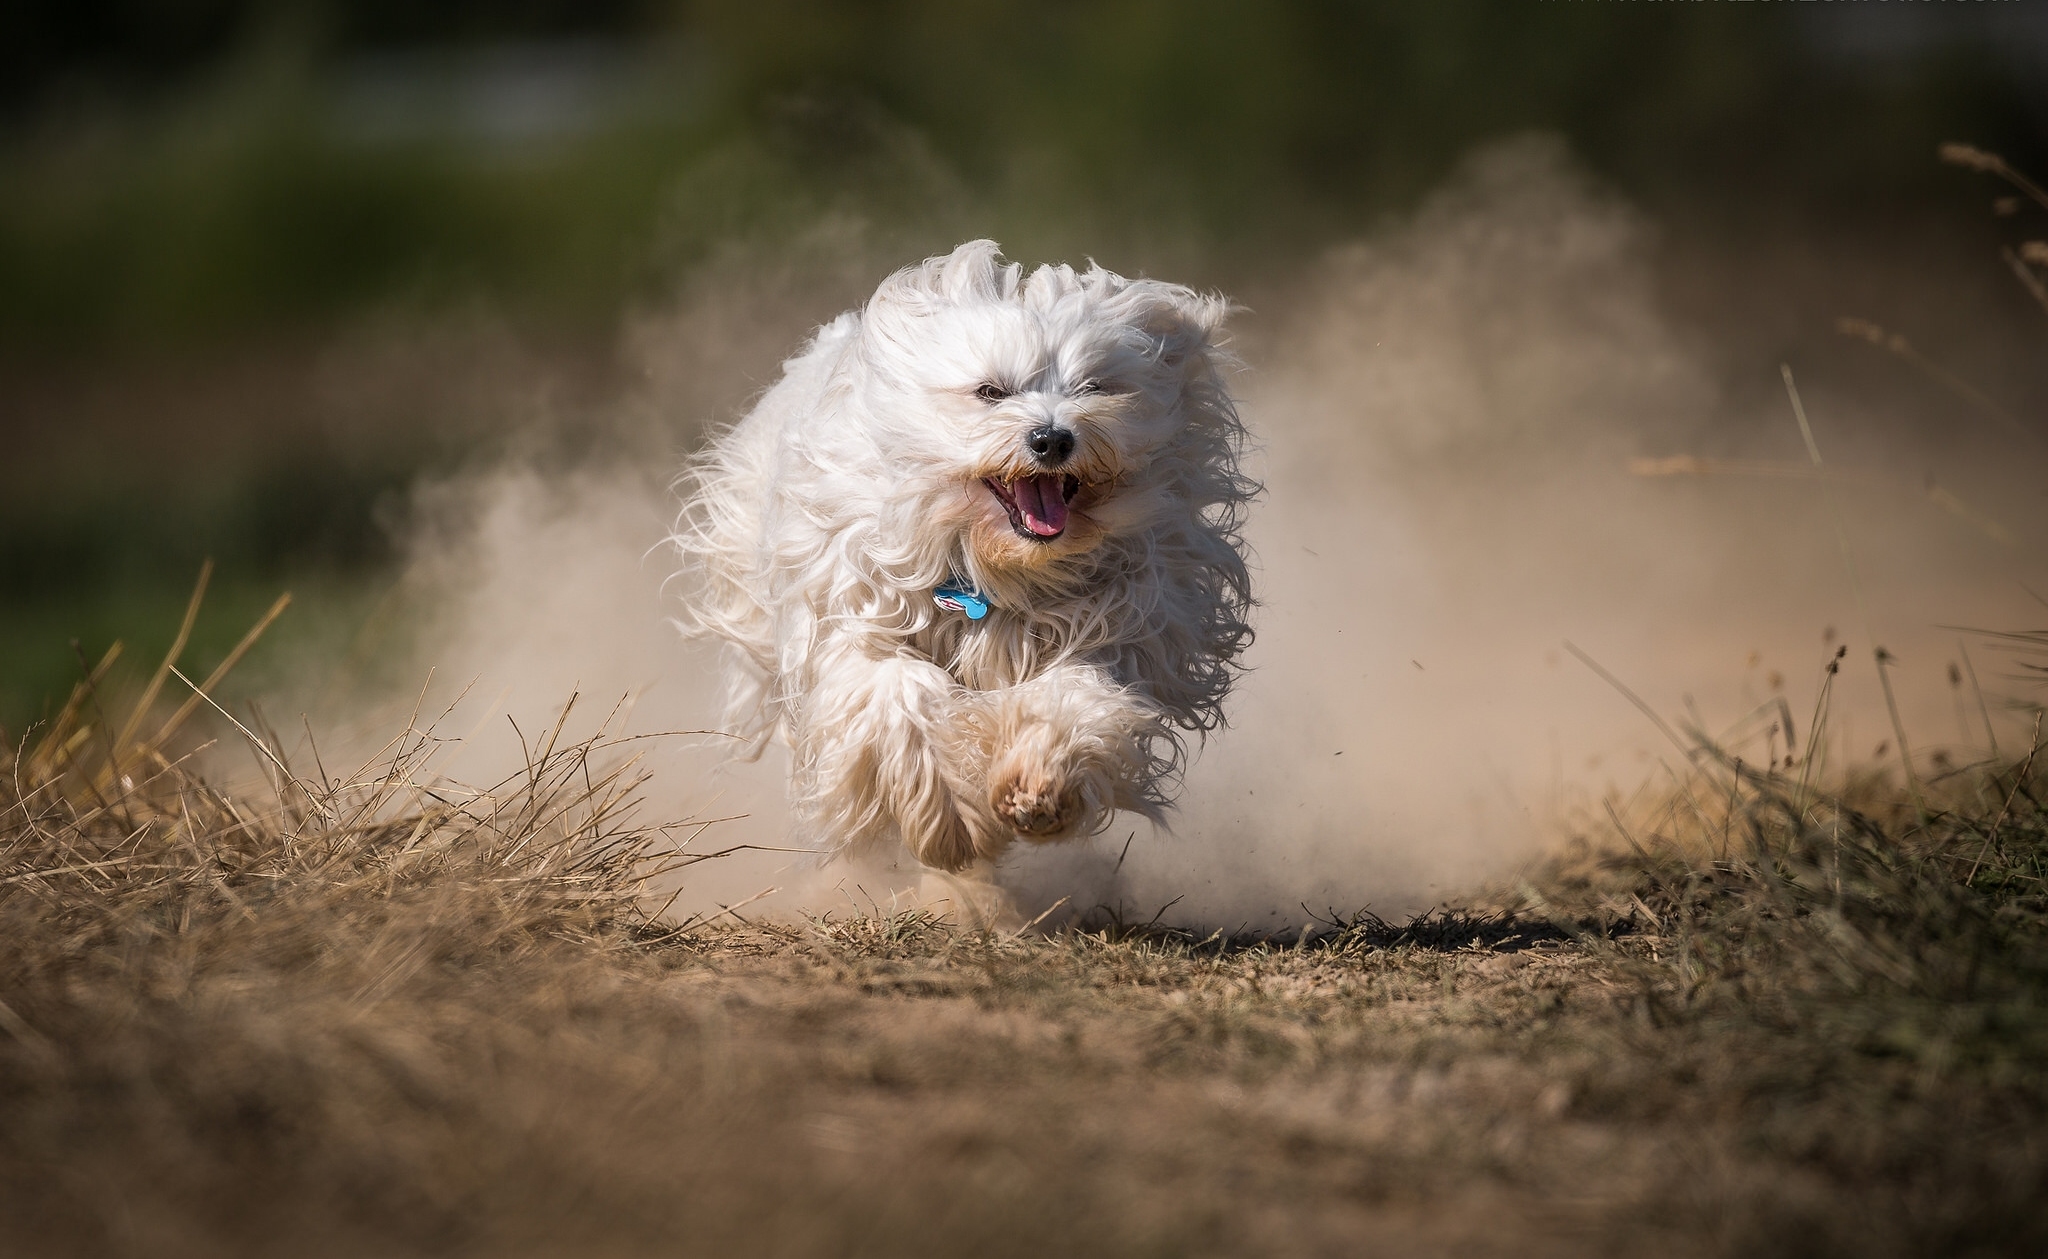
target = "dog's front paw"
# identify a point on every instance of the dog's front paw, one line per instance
(1034, 807)
(1032, 797)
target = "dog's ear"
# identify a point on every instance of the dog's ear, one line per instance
(1184, 325)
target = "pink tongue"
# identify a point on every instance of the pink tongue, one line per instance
(1042, 503)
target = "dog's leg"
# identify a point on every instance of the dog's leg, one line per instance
(895, 748)
(1066, 750)
(878, 758)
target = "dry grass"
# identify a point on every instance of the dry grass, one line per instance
(376, 1014)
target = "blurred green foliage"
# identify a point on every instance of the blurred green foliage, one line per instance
(239, 187)
(47, 645)
(85, 564)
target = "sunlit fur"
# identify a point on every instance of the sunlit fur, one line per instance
(816, 529)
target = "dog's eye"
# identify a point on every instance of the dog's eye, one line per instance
(992, 393)
(1107, 388)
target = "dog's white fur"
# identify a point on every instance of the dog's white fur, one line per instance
(816, 529)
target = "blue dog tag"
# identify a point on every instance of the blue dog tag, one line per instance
(954, 599)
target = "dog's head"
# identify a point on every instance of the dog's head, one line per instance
(1024, 422)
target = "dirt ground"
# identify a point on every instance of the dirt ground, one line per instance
(875, 1086)
(382, 1017)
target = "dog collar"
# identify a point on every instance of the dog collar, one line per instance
(960, 599)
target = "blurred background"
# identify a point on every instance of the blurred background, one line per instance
(268, 268)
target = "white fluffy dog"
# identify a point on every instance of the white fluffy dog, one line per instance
(978, 553)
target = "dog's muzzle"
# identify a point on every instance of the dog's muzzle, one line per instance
(1037, 503)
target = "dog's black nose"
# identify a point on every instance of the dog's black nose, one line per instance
(1050, 445)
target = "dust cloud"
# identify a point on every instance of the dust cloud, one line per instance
(1481, 436)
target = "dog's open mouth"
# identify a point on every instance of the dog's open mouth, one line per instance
(1037, 504)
